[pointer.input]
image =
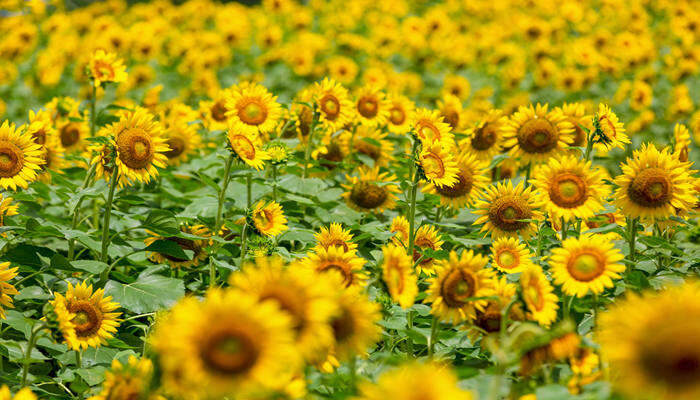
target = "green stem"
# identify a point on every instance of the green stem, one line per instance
(567, 310)
(78, 359)
(274, 183)
(589, 147)
(28, 353)
(564, 230)
(244, 244)
(632, 226)
(307, 152)
(108, 215)
(76, 210)
(93, 106)
(434, 329)
(249, 189)
(222, 194)
(527, 173)
(409, 323)
(412, 204)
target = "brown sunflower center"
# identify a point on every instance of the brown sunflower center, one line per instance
(451, 117)
(330, 105)
(672, 361)
(368, 106)
(368, 195)
(507, 213)
(252, 112)
(289, 302)
(423, 243)
(397, 116)
(230, 351)
(537, 136)
(11, 159)
(457, 287)
(586, 265)
(489, 320)
(135, 148)
(70, 134)
(368, 149)
(263, 219)
(608, 126)
(88, 318)
(177, 147)
(103, 70)
(484, 137)
(343, 326)
(650, 188)
(333, 155)
(243, 147)
(218, 111)
(460, 188)
(568, 190)
(39, 136)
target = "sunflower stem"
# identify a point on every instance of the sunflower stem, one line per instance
(527, 173)
(249, 189)
(222, 193)
(244, 243)
(589, 147)
(412, 202)
(307, 151)
(274, 182)
(409, 323)
(434, 329)
(93, 106)
(76, 211)
(108, 215)
(33, 337)
(632, 226)
(564, 230)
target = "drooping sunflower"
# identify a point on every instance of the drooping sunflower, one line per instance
(252, 109)
(575, 113)
(537, 292)
(430, 127)
(651, 343)
(354, 323)
(299, 292)
(183, 139)
(103, 156)
(508, 211)
(509, 255)
(335, 260)
(20, 158)
(268, 219)
(334, 105)
(450, 107)
(106, 67)
(398, 275)
(91, 315)
(654, 185)
(681, 142)
(371, 106)
(471, 180)
(484, 140)
(400, 114)
(399, 227)
(7, 208)
(334, 236)
(128, 381)
(371, 191)
(459, 279)
(438, 165)
(571, 188)
(196, 246)
(227, 344)
(248, 148)
(534, 134)
(587, 264)
(427, 238)
(23, 394)
(400, 384)
(371, 142)
(612, 130)
(6, 288)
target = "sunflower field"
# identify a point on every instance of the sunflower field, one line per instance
(363, 200)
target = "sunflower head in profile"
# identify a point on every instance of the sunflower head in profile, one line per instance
(471, 180)
(438, 165)
(334, 236)
(651, 341)
(609, 132)
(681, 142)
(20, 158)
(459, 280)
(427, 238)
(371, 191)
(399, 227)
(91, 316)
(400, 384)
(400, 114)
(354, 322)
(252, 109)
(371, 142)
(6, 288)
(509, 255)
(571, 188)
(267, 219)
(344, 265)
(196, 246)
(333, 149)
(654, 185)
(371, 106)
(7, 209)
(398, 275)
(182, 139)
(587, 264)
(534, 134)
(508, 211)
(540, 301)
(485, 139)
(106, 67)
(450, 107)
(131, 380)
(228, 343)
(333, 104)
(103, 156)
(430, 127)
(247, 148)
(575, 113)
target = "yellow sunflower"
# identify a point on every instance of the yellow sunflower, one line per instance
(450, 107)
(371, 191)
(105, 67)
(182, 139)
(537, 293)
(654, 185)
(371, 106)
(268, 218)
(196, 246)
(681, 142)
(612, 130)
(586, 264)
(91, 315)
(534, 134)
(127, 381)
(399, 227)
(485, 139)
(575, 113)
(398, 275)
(508, 211)
(22, 394)
(438, 165)
(400, 114)
(571, 188)
(457, 85)
(7, 208)
(334, 236)
(214, 112)
(53, 155)
(346, 264)
(489, 319)
(427, 237)
(370, 142)
(20, 158)
(401, 384)
(252, 109)
(459, 279)
(103, 159)
(227, 344)
(332, 150)
(354, 323)
(430, 127)
(651, 343)
(333, 103)
(248, 148)
(6, 288)
(471, 180)
(509, 255)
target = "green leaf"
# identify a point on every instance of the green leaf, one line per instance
(148, 294)
(91, 266)
(92, 376)
(170, 248)
(162, 222)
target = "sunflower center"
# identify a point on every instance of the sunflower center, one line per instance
(423, 243)
(433, 166)
(230, 352)
(537, 136)
(459, 189)
(397, 116)
(457, 287)
(104, 70)
(70, 134)
(368, 195)
(568, 190)
(650, 188)
(508, 259)
(11, 159)
(252, 112)
(368, 107)
(490, 321)
(88, 318)
(333, 155)
(39, 136)
(243, 147)
(396, 277)
(330, 105)
(586, 266)
(452, 118)
(343, 326)
(579, 134)
(177, 147)
(218, 111)
(135, 148)
(677, 365)
(290, 302)
(507, 214)
(485, 137)
(368, 149)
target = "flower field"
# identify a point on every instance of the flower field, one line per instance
(366, 200)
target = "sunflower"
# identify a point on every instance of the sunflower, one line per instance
(438, 165)
(450, 107)
(400, 114)
(332, 150)
(252, 109)
(427, 237)
(509, 255)
(610, 132)
(398, 275)
(430, 127)
(681, 142)
(346, 264)
(248, 148)
(6, 289)
(333, 103)
(73, 132)
(214, 112)
(571, 188)
(575, 113)
(371, 191)
(299, 292)
(371, 142)
(196, 246)
(22, 394)
(586, 264)
(182, 139)
(508, 211)
(91, 314)
(490, 318)
(354, 323)
(20, 158)
(105, 67)
(534, 134)
(651, 343)
(224, 345)
(457, 86)
(103, 159)
(459, 279)
(401, 384)
(140, 149)
(334, 236)
(127, 381)
(471, 179)
(537, 293)
(371, 106)
(654, 185)
(485, 139)
(268, 219)
(7, 208)
(54, 158)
